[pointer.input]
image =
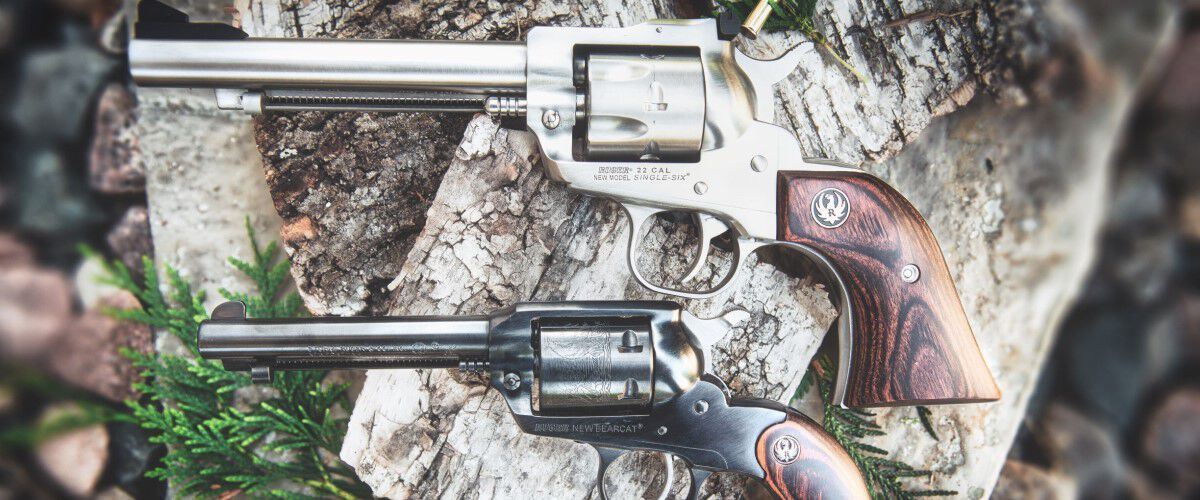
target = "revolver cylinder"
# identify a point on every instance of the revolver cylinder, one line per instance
(594, 365)
(644, 106)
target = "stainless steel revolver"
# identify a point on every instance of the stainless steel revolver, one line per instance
(667, 115)
(619, 376)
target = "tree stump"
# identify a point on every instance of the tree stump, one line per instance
(997, 119)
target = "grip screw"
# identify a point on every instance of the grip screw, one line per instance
(551, 119)
(910, 273)
(512, 381)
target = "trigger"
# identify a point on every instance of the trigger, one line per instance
(698, 478)
(710, 227)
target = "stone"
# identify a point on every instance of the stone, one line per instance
(130, 238)
(1106, 356)
(35, 309)
(90, 356)
(54, 202)
(1086, 450)
(131, 455)
(74, 459)
(115, 159)
(14, 253)
(90, 287)
(56, 91)
(1182, 77)
(1172, 437)
(1020, 480)
(1189, 214)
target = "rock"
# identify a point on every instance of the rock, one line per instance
(7, 29)
(90, 354)
(1085, 450)
(131, 456)
(35, 308)
(1189, 214)
(89, 284)
(112, 493)
(54, 201)
(56, 90)
(130, 238)
(13, 253)
(74, 459)
(1021, 480)
(1106, 356)
(8, 400)
(1143, 250)
(1172, 436)
(115, 159)
(1182, 77)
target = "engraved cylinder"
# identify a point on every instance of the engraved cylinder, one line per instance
(594, 364)
(644, 107)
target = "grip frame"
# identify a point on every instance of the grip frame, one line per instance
(911, 340)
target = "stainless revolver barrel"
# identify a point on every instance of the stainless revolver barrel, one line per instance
(351, 75)
(262, 345)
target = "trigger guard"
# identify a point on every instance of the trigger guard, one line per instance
(845, 322)
(608, 456)
(638, 216)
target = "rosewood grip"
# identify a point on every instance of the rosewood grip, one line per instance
(802, 461)
(912, 343)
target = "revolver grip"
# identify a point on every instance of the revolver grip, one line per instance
(801, 460)
(911, 341)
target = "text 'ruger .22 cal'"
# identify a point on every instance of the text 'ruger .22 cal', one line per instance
(663, 116)
(620, 376)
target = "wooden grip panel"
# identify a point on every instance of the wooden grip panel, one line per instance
(802, 461)
(912, 343)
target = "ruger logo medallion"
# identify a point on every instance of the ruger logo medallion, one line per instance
(786, 450)
(830, 208)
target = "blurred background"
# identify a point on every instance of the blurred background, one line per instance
(1116, 414)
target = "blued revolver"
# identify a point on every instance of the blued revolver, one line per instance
(667, 115)
(619, 376)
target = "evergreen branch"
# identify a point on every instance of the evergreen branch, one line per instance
(216, 450)
(849, 427)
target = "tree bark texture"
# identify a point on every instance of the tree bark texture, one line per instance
(996, 119)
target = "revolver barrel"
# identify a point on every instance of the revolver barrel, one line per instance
(337, 75)
(264, 345)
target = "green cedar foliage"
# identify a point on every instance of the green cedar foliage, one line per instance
(850, 427)
(284, 446)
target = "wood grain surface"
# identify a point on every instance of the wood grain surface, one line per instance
(816, 465)
(912, 343)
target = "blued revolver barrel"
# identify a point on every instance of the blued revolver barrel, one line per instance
(263, 345)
